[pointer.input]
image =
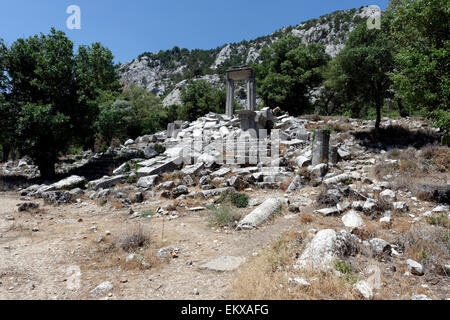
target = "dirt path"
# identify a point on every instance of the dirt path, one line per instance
(37, 265)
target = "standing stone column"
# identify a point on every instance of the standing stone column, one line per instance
(251, 94)
(333, 157)
(321, 147)
(230, 98)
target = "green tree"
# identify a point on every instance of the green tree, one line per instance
(420, 30)
(360, 70)
(199, 98)
(42, 133)
(42, 89)
(151, 114)
(96, 79)
(288, 73)
(118, 120)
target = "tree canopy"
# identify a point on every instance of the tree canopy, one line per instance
(290, 70)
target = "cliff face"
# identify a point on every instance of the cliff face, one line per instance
(165, 73)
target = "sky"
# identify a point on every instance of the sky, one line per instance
(129, 28)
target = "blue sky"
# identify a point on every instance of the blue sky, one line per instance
(132, 27)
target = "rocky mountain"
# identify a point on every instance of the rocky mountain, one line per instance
(165, 73)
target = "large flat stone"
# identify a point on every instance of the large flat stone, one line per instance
(70, 183)
(106, 182)
(223, 264)
(158, 168)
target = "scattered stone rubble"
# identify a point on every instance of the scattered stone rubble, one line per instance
(308, 156)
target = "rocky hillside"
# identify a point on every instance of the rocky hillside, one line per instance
(165, 73)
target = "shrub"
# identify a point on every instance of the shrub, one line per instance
(159, 148)
(240, 200)
(441, 220)
(222, 216)
(134, 238)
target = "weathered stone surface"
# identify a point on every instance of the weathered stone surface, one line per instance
(121, 169)
(319, 171)
(169, 252)
(321, 147)
(221, 172)
(334, 180)
(388, 195)
(106, 182)
(223, 264)
(69, 183)
(343, 154)
(57, 197)
(328, 211)
(322, 252)
(193, 169)
(260, 214)
(296, 184)
(102, 289)
(180, 190)
(214, 192)
(303, 161)
(380, 247)
(420, 297)
(414, 267)
(352, 220)
(147, 182)
(400, 206)
(28, 206)
(159, 167)
(364, 289)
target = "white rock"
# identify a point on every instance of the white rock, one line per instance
(364, 288)
(414, 267)
(323, 250)
(388, 195)
(300, 281)
(352, 220)
(102, 289)
(147, 182)
(420, 297)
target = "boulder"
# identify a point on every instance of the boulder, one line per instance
(388, 195)
(57, 197)
(28, 206)
(102, 289)
(180, 190)
(326, 246)
(70, 183)
(414, 267)
(352, 220)
(380, 247)
(147, 182)
(364, 289)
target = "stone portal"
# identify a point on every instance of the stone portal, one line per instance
(241, 74)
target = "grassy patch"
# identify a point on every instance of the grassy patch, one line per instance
(441, 220)
(222, 215)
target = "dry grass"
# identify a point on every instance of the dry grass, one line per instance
(266, 276)
(112, 252)
(306, 218)
(423, 172)
(428, 245)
